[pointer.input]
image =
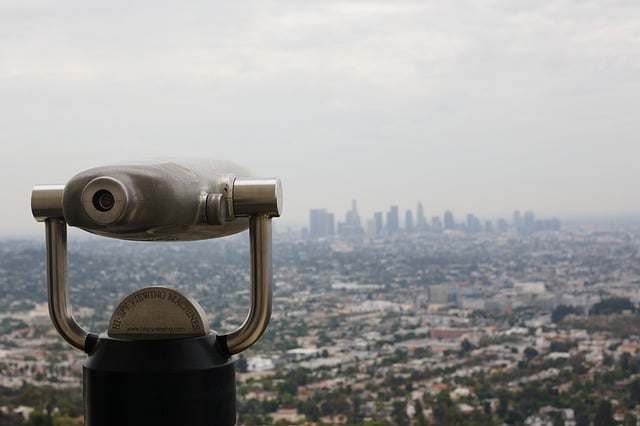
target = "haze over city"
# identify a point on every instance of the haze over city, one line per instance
(480, 107)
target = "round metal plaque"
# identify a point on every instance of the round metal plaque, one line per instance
(155, 313)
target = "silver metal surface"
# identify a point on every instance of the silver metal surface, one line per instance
(216, 209)
(155, 201)
(252, 196)
(259, 314)
(59, 310)
(155, 313)
(46, 202)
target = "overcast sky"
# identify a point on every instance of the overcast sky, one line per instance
(475, 106)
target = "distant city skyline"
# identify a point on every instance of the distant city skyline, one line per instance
(324, 223)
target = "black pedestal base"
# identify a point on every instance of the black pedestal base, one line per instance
(159, 382)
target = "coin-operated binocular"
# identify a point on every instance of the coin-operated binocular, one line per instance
(158, 363)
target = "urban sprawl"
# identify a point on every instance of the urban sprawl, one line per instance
(436, 322)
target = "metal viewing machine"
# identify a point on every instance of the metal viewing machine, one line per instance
(158, 363)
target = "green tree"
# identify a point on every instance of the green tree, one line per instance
(310, 409)
(629, 420)
(581, 412)
(503, 403)
(562, 311)
(530, 353)
(612, 306)
(354, 416)
(420, 419)
(633, 390)
(441, 405)
(604, 414)
(11, 419)
(62, 420)
(465, 347)
(487, 415)
(399, 413)
(39, 418)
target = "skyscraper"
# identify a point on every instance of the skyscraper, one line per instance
(393, 220)
(473, 224)
(378, 225)
(421, 220)
(449, 221)
(517, 221)
(408, 221)
(352, 217)
(321, 223)
(352, 225)
(529, 225)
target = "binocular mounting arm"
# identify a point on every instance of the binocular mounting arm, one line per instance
(59, 309)
(237, 341)
(259, 314)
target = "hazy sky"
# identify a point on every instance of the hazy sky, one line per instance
(475, 106)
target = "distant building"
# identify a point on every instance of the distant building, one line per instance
(393, 220)
(473, 224)
(441, 293)
(259, 363)
(537, 287)
(321, 223)
(352, 225)
(421, 220)
(408, 221)
(378, 224)
(517, 221)
(449, 221)
(448, 333)
(529, 223)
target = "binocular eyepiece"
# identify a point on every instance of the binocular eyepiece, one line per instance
(160, 201)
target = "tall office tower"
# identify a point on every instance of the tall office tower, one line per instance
(408, 221)
(421, 220)
(502, 225)
(352, 217)
(331, 225)
(351, 226)
(393, 221)
(473, 224)
(529, 223)
(378, 225)
(436, 224)
(449, 221)
(321, 223)
(517, 221)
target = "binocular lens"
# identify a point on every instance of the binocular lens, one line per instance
(103, 200)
